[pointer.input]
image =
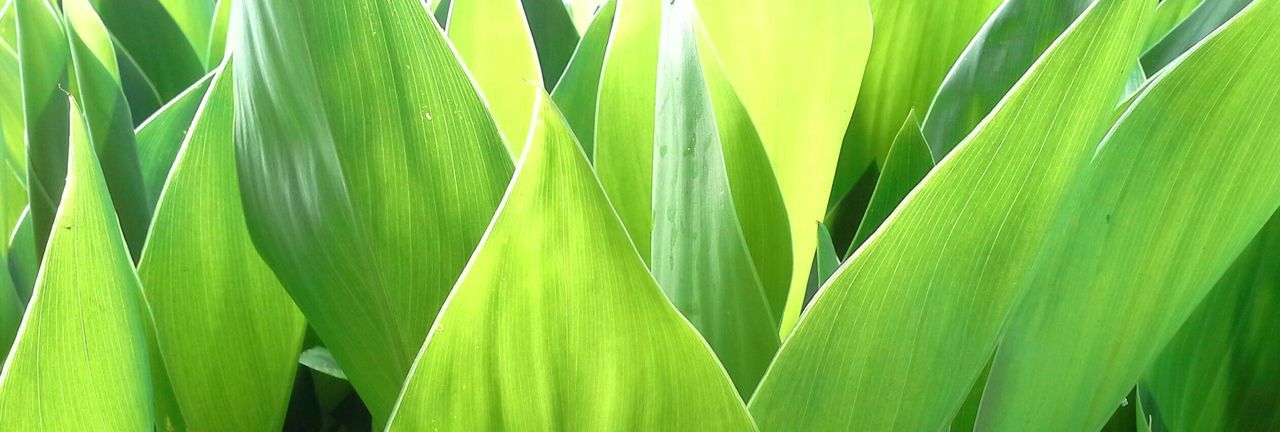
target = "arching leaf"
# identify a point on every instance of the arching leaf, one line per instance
(366, 210)
(573, 331)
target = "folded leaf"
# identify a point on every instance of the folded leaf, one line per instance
(80, 360)
(572, 331)
(797, 66)
(366, 181)
(210, 293)
(492, 37)
(906, 164)
(897, 337)
(1008, 44)
(1141, 253)
(701, 257)
(1218, 372)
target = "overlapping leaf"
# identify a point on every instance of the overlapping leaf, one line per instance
(493, 39)
(906, 164)
(897, 337)
(577, 91)
(1199, 24)
(557, 325)
(369, 168)
(160, 137)
(43, 58)
(1140, 251)
(553, 35)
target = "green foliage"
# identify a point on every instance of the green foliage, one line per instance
(601, 215)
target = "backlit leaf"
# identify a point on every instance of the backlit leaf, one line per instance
(492, 37)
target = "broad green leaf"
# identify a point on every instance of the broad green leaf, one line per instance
(160, 137)
(80, 360)
(553, 35)
(212, 296)
(194, 19)
(906, 164)
(1194, 140)
(1203, 21)
(797, 66)
(915, 44)
(156, 41)
(625, 107)
(1008, 44)
(218, 33)
(576, 93)
(1169, 14)
(96, 84)
(701, 257)
(492, 37)
(897, 337)
(367, 211)
(1219, 371)
(43, 59)
(573, 332)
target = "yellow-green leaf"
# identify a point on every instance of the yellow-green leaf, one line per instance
(492, 37)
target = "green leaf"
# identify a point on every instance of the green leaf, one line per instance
(1169, 14)
(43, 58)
(160, 137)
(1194, 140)
(22, 262)
(797, 67)
(915, 44)
(9, 23)
(1218, 372)
(96, 83)
(13, 159)
(212, 296)
(157, 41)
(80, 360)
(553, 35)
(492, 37)
(1203, 21)
(897, 337)
(138, 89)
(625, 108)
(218, 33)
(194, 19)
(584, 12)
(1008, 44)
(573, 331)
(367, 211)
(906, 164)
(576, 93)
(701, 255)
(320, 359)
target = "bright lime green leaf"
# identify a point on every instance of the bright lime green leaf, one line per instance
(573, 332)
(624, 117)
(897, 337)
(8, 23)
(493, 39)
(1199, 24)
(43, 59)
(1169, 14)
(797, 67)
(367, 211)
(906, 164)
(96, 83)
(1219, 372)
(1193, 141)
(1011, 40)
(156, 40)
(577, 91)
(701, 258)
(80, 360)
(553, 35)
(212, 296)
(12, 123)
(916, 42)
(21, 257)
(218, 33)
(161, 136)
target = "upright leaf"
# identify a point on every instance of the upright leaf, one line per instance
(154, 38)
(212, 296)
(160, 137)
(906, 164)
(576, 93)
(96, 83)
(1144, 246)
(1008, 44)
(1169, 14)
(43, 59)
(797, 66)
(701, 257)
(897, 337)
(80, 360)
(915, 44)
(570, 330)
(194, 19)
(367, 210)
(1218, 372)
(1199, 24)
(624, 117)
(492, 37)
(553, 36)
